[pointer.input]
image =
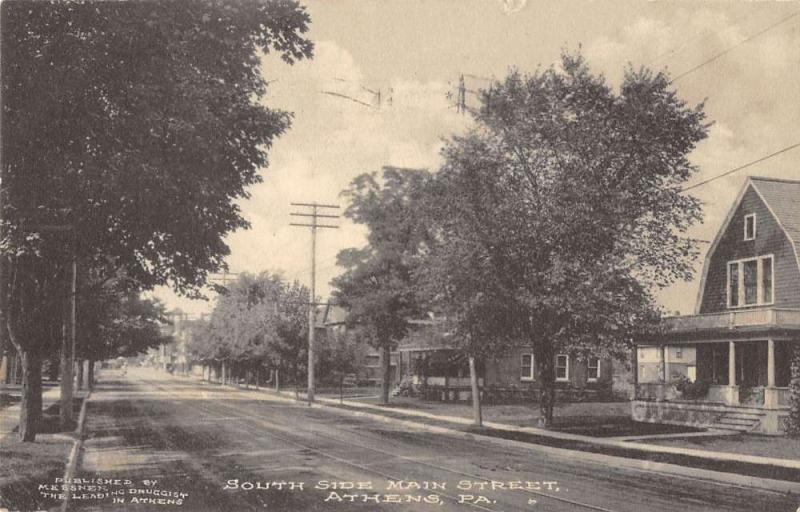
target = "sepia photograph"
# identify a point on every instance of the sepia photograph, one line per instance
(400, 255)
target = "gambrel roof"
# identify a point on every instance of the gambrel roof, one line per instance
(782, 198)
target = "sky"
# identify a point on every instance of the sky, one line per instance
(376, 94)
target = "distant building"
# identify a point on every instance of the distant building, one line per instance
(331, 321)
(515, 376)
(728, 366)
(175, 356)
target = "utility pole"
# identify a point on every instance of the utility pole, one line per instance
(223, 277)
(67, 386)
(462, 95)
(315, 216)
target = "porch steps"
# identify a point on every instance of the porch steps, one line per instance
(739, 421)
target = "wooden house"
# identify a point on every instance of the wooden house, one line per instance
(728, 365)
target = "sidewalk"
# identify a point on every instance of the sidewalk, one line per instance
(563, 436)
(9, 416)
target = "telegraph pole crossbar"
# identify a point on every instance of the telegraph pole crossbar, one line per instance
(315, 216)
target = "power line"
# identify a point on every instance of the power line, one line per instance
(344, 96)
(688, 44)
(740, 43)
(745, 166)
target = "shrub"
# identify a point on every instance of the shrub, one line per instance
(692, 390)
(793, 421)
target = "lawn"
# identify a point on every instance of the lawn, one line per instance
(779, 447)
(25, 466)
(524, 415)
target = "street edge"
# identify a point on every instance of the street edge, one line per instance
(72, 461)
(779, 486)
(719, 477)
(675, 470)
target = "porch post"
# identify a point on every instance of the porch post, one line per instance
(733, 389)
(663, 363)
(770, 363)
(770, 393)
(731, 363)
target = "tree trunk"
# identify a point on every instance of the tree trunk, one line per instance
(31, 405)
(224, 368)
(477, 416)
(548, 391)
(36, 386)
(277, 379)
(66, 383)
(17, 369)
(90, 379)
(11, 366)
(386, 356)
(79, 380)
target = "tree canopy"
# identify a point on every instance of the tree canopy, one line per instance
(133, 127)
(377, 285)
(564, 205)
(140, 124)
(259, 320)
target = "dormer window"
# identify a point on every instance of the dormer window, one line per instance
(750, 226)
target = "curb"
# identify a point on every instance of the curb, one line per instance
(72, 462)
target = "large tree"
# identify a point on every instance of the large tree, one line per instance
(116, 321)
(456, 278)
(569, 192)
(136, 125)
(377, 285)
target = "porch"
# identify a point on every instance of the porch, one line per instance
(725, 370)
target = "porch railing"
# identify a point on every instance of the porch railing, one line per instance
(783, 396)
(732, 319)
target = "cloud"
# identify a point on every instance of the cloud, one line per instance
(334, 138)
(512, 6)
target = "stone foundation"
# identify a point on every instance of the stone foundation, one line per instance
(704, 415)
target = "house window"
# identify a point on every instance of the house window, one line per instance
(526, 367)
(750, 282)
(733, 285)
(593, 369)
(750, 226)
(766, 279)
(678, 353)
(562, 367)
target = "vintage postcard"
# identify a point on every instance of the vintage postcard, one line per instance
(400, 255)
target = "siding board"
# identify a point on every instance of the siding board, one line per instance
(770, 239)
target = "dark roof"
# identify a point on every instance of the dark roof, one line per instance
(783, 199)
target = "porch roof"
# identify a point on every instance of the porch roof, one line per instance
(773, 322)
